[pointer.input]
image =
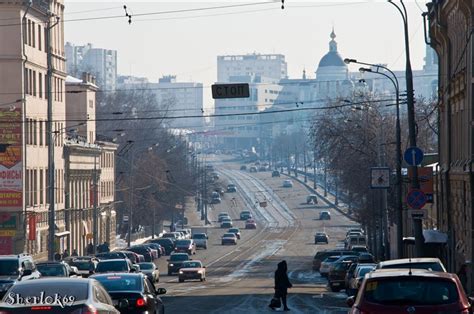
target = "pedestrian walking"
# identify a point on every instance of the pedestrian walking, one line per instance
(105, 247)
(462, 274)
(282, 283)
(57, 256)
(66, 253)
(90, 249)
(74, 253)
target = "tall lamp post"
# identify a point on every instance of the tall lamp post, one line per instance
(415, 184)
(394, 80)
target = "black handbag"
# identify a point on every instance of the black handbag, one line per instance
(275, 302)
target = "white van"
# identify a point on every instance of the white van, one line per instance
(353, 240)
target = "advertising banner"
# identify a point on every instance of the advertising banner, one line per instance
(6, 245)
(32, 227)
(11, 176)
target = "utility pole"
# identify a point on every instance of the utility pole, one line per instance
(130, 221)
(315, 185)
(205, 196)
(96, 212)
(49, 129)
(304, 160)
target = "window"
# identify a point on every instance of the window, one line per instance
(28, 41)
(27, 188)
(33, 34)
(34, 83)
(40, 85)
(39, 37)
(34, 133)
(35, 187)
(26, 80)
(41, 131)
(41, 186)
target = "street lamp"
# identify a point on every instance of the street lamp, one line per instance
(394, 80)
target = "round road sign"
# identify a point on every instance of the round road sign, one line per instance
(416, 199)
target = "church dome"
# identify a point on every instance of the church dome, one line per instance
(332, 59)
(332, 66)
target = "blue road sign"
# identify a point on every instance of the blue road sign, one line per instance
(416, 199)
(413, 156)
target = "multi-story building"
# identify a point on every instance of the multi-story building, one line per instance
(102, 63)
(272, 66)
(450, 29)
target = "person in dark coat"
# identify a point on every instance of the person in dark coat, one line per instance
(90, 249)
(66, 253)
(57, 256)
(282, 283)
(74, 253)
(462, 274)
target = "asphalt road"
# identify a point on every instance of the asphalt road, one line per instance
(240, 278)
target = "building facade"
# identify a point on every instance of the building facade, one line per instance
(272, 66)
(450, 29)
(102, 63)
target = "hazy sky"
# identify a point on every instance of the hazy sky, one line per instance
(187, 43)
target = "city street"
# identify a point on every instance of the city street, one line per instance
(240, 278)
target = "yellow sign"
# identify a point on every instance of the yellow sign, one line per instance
(7, 233)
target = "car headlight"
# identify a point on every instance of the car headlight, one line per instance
(171, 265)
(199, 271)
(180, 272)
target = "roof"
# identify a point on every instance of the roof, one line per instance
(410, 260)
(122, 274)
(48, 280)
(381, 273)
(332, 58)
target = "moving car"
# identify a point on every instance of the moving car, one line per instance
(89, 296)
(337, 275)
(321, 237)
(324, 215)
(428, 263)
(220, 190)
(175, 262)
(353, 240)
(245, 215)
(275, 174)
(221, 216)
(231, 188)
(359, 249)
(201, 240)
(14, 268)
(250, 224)
(170, 235)
(115, 265)
(216, 199)
(227, 223)
(192, 270)
(151, 271)
(132, 293)
(185, 246)
(243, 167)
(312, 199)
(229, 238)
(85, 264)
(235, 231)
(403, 291)
(110, 255)
(56, 269)
(253, 169)
(287, 184)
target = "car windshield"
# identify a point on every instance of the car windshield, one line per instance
(179, 257)
(199, 236)
(228, 235)
(112, 266)
(192, 264)
(78, 290)
(120, 283)
(342, 266)
(52, 270)
(365, 270)
(183, 243)
(81, 264)
(234, 230)
(9, 267)
(331, 259)
(428, 266)
(168, 235)
(411, 291)
(145, 266)
(110, 255)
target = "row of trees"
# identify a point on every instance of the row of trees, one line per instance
(153, 163)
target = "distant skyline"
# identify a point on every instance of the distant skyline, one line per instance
(187, 44)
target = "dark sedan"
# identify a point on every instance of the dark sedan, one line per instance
(151, 271)
(167, 244)
(132, 293)
(111, 255)
(175, 262)
(77, 295)
(146, 252)
(56, 269)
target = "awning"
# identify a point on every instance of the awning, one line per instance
(62, 234)
(86, 227)
(435, 236)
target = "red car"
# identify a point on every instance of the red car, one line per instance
(409, 291)
(250, 224)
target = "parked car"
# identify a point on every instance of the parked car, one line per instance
(250, 224)
(253, 169)
(243, 167)
(111, 255)
(185, 246)
(275, 174)
(326, 265)
(312, 199)
(132, 293)
(166, 243)
(201, 240)
(287, 184)
(358, 276)
(428, 263)
(227, 223)
(15, 268)
(116, 265)
(187, 233)
(132, 256)
(192, 270)
(416, 291)
(235, 231)
(143, 250)
(151, 271)
(365, 258)
(359, 249)
(229, 238)
(322, 255)
(56, 269)
(231, 188)
(175, 262)
(155, 249)
(245, 215)
(321, 237)
(355, 230)
(89, 296)
(170, 235)
(324, 215)
(337, 275)
(353, 240)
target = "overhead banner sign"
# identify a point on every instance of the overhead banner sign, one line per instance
(221, 91)
(11, 176)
